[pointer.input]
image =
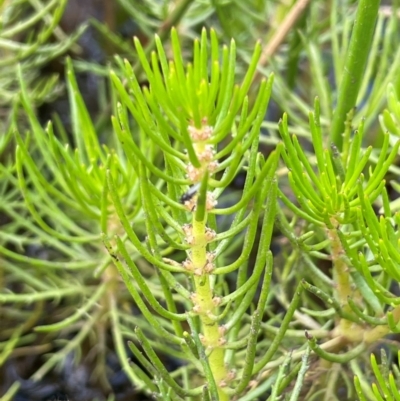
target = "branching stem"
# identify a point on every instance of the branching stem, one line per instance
(341, 277)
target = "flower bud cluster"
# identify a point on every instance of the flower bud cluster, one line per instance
(208, 236)
(221, 341)
(190, 204)
(199, 271)
(229, 378)
(200, 134)
(205, 152)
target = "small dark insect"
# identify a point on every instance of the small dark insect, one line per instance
(190, 193)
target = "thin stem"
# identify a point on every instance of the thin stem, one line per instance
(285, 27)
(71, 346)
(162, 371)
(255, 328)
(334, 357)
(213, 390)
(341, 276)
(261, 364)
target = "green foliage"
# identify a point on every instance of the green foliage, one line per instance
(25, 30)
(186, 110)
(388, 382)
(316, 63)
(337, 197)
(146, 247)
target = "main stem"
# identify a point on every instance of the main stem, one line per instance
(341, 277)
(212, 336)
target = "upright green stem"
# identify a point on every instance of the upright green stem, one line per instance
(356, 59)
(212, 336)
(341, 278)
(340, 273)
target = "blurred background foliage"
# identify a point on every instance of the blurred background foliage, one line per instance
(52, 272)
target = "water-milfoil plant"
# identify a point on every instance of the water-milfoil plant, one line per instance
(158, 193)
(59, 253)
(197, 131)
(336, 200)
(143, 239)
(27, 36)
